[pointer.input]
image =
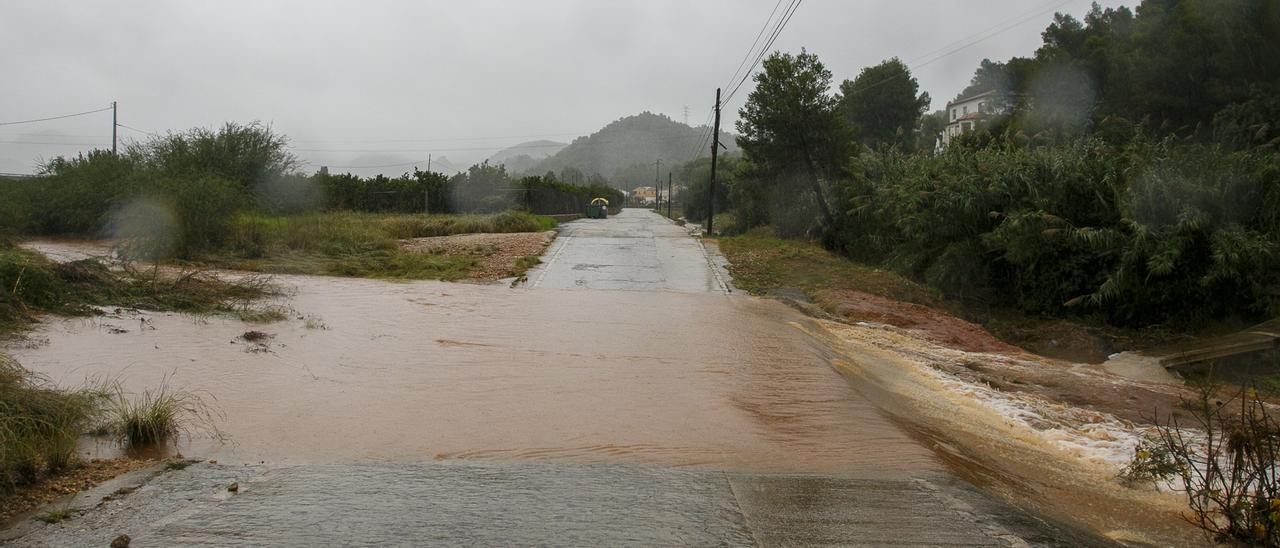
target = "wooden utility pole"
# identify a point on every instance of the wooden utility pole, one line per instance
(115, 124)
(669, 195)
(715, 148)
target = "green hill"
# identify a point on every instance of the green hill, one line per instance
(625, 150)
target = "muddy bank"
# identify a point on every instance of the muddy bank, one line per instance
(1025, 445)
(80, 478)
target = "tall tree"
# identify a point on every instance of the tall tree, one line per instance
(790, 124)
(883, 104)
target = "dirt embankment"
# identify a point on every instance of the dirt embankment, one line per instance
(983, 358)
(78, 479)
(497, 255)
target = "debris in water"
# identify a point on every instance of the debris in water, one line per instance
(256, 336)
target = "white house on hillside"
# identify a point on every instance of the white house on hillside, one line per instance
(964, 113)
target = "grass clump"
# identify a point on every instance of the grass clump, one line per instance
(155, 416)
(56, 516)
(39, 425)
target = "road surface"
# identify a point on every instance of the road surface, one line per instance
(621, 398)
(636, 250)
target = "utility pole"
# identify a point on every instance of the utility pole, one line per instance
(715, 148)
(669, 195)
(657, 196)
(426, 192)
(115, 124)
(686, 115)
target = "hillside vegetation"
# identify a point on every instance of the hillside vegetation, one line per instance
(1161, 208)
(625, 150)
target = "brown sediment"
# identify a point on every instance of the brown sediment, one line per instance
(68, 482)
(497, 255)
(1024, 445)
(927, 322)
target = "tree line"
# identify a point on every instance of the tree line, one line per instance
(1129, 171)
(203, 178)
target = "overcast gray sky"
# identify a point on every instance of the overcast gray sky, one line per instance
(383, 81)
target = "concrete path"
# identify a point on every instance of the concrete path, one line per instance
(636, 250)
(538, 504)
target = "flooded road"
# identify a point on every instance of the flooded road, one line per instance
(437, 370)
(791, 430)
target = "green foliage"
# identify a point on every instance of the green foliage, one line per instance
(549, 196)
(883, 105)
(39, 425)
(249, 155)
(1227, 470)
(698, 175)
(1183, 66)
(1131, 173)
(1146, 233)
(624, 150)
(358, 244)
(791, 130)
(180, 195)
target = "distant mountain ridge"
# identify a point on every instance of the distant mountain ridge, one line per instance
(520, 158)
(625, 150)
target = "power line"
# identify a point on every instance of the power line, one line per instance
(47, 143)
(436, 140)
(152, 133)
(753, 44)
(777, 31)
(54, 117)
(972, 40)
(561, 145)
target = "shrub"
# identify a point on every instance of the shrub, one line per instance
(1147, 232)
(1227, 466)
(39, 425)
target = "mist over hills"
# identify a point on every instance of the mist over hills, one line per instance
(625, 150)
(520, 158)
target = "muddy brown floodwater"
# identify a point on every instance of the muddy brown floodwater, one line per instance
(373, 370)
(442, 370)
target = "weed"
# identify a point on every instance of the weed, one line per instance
(56, 516)
(528, 261)
(39, 425)
(1227, 467)
(311, 321)
(156, 415)
(178, 464)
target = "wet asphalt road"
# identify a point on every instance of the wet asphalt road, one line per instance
(636, 250)
(530, 502)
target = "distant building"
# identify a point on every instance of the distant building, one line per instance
(645, 194)
(964, 114)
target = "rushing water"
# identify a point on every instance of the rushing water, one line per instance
(367, 369)
(443, 370)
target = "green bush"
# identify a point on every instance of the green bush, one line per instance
(39, 425)
(1144, 233)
